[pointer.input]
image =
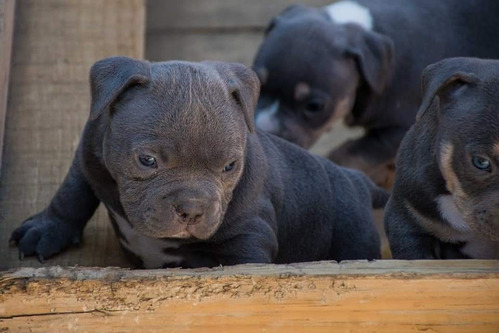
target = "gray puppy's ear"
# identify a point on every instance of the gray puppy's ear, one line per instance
(442, 79)
(110, 77)
(243, 86)
(373, 53)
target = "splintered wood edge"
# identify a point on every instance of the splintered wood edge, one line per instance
(387, 296)
(462, 269)
(6, 37)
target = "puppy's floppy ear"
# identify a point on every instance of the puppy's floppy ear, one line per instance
(110, 77)
(243, 86)
(442, 79)
(373, 53)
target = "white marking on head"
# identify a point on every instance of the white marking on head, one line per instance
(350, 12)
(449, 212)
(266, 118)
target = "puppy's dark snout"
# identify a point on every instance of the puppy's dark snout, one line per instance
(190, 210)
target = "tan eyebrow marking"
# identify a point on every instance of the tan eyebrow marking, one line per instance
(302, 89)
(452, 183)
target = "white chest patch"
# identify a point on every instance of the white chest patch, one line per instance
(475, 246)
(150, 250)
(450, 213)
(266, 119)
(350, 12)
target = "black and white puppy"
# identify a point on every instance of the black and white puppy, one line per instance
(170, 150)
(361, 61)
(445, 199)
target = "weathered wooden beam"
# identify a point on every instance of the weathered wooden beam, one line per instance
(387, 296)
(216, 15)
(56, 42)
(7, 8)
(234, 47)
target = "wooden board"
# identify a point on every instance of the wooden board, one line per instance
(216, 15)
(7, 8)
(383, 296)
(195, 46)
(55, 43)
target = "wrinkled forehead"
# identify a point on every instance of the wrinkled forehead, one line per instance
(185, 104)
(472, 118)
(187, 83)
(315, 54)
(303, 38)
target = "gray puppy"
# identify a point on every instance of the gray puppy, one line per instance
(171, 151)
(361, 61)
(445, 200)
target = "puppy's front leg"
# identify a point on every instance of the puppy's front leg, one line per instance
(407, 239)
(256, 242)
(373, 154)
(61, 223)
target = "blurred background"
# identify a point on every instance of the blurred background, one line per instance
(227, 30)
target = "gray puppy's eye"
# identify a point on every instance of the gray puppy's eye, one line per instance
(148, 161)
(481, 163)
(314, 106)
(230, 166)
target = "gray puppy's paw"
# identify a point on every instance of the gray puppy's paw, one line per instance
(44, 236)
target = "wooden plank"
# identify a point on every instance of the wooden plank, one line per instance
(167, 15)
(56, 42)
(7, 8)
(383, 296)
(233, 47)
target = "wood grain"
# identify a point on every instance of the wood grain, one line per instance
(56, 42)
(216, 15)
(7, 9)
(383, 296)
(237, 46)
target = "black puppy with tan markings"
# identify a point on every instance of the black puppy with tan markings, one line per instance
(170, 150)
(445, 199)
(361, 61)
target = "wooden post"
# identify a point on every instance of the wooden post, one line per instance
(55, 43)
(383, 296)
(7, 8)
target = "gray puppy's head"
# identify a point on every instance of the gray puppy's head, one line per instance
(311, 70)
(175, 139)
(461, 98)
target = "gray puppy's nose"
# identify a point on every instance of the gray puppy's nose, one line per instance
(190, 211)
